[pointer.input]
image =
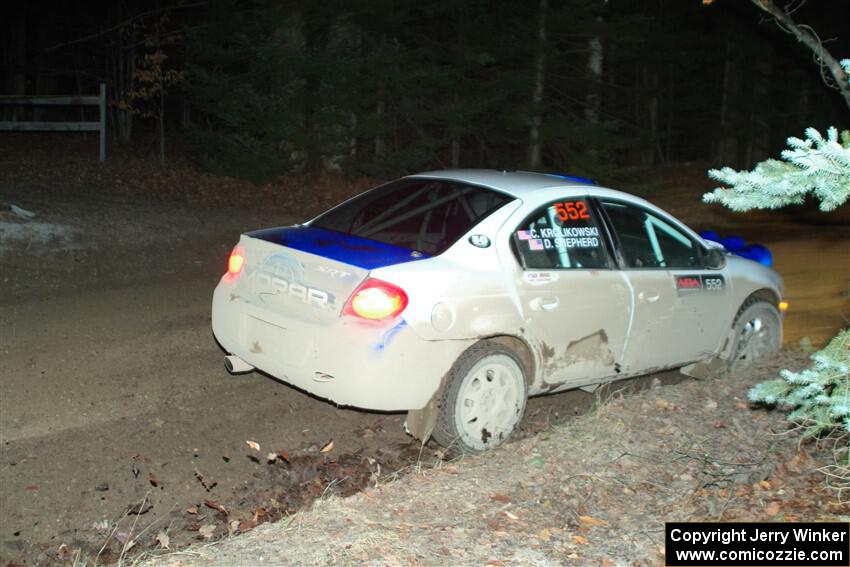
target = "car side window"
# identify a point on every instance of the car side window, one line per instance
(648, 241)
(564, 234)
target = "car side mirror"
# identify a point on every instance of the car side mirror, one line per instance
(715, 259)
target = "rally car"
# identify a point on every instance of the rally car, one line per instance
(455, 295)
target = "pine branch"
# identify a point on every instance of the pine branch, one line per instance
(817, 165)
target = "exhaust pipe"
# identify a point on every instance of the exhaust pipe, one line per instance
(236, 365)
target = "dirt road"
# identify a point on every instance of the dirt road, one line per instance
(114, 397)
(108, 393)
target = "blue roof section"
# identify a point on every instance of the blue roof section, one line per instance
(346, 248)
(584, 180)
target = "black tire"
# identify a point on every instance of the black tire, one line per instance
(483, 400)
(758, 332)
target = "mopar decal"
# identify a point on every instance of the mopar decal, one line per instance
(281, 274)
(297, 291)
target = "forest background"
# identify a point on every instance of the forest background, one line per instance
(264, 88)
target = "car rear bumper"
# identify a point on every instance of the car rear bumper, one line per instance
(369, 365)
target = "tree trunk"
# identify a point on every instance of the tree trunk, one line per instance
(595, 60)
(534, 149)
(455, 153)
(380, 109)
(16, 59)
(161, 124)
(727, 141)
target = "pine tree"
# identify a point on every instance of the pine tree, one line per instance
(818, 397)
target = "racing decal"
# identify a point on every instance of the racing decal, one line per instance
(479, 240)
(714, 282)
(699, 283)
(332, 272)
(688, 283)
(572, 210)
(560, 237)
(539, 277)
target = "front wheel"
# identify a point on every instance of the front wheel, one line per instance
(483, 400)
(758, 332)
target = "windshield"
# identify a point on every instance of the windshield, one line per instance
(427, 215)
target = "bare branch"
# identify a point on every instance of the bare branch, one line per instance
(124, 23)
(807, 37)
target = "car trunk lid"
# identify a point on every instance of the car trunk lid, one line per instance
(308, 273)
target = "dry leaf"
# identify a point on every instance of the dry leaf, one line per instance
(764, 484)
(271, 457)
(283, 455)
(153, 480)
(253, 444)
(544, 535)
(500, 498)
(163, 540)
(192, 510)
(329, 446)
(581, 540)
(773, 509)
(591, 521)
(215, 506)
(510, 515)
(207, 531)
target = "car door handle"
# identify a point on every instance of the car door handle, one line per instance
(544, 303)
(648, 296)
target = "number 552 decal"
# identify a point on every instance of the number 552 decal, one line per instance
(571, 210)
(713, 283)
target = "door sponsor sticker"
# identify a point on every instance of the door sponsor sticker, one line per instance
(479, 240)
(695, 283)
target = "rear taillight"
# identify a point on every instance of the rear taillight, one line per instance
(236, 261)
(376, 299)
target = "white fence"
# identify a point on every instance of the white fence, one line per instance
(99, 126)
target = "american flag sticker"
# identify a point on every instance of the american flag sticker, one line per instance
(535, 244)
(523, 234)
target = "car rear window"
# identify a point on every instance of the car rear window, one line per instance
(427, 215)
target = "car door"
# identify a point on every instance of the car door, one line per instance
(680, 304)
(576, 305)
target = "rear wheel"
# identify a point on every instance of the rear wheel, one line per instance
(483, 400)
(758, 332)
